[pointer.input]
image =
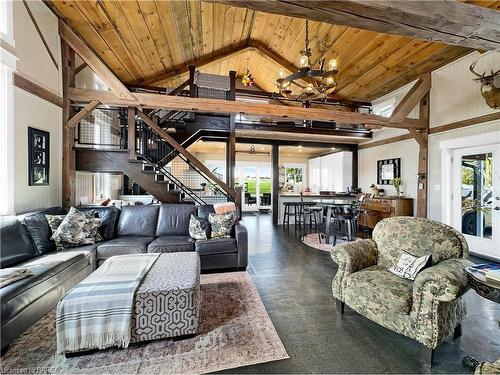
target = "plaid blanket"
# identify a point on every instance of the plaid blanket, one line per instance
(97, 312)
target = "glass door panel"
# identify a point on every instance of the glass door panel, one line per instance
(476, 203)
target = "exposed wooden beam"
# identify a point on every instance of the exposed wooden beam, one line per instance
(419, 137)
(95, 63)
(180, 103)
(233, 50)
(73, 121)
(177, 70)
(40, 34)
(80, 67)
(181, 150)
(35, 89)
(411, 99)
(69, 161)
(386, 141)
(263, 50)
(423, 157)
(464, 123)
(449, 22)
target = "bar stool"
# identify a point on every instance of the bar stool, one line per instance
(292, 209)
(311, 211)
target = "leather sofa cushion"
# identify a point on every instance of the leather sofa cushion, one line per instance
(173, 219)
(216, 246)
(39, 229)
(15, 245)
(171, 244)
(381, 287)
(123, 245)
(137, 221)
(89, 251)
(46, 271)
(109, 217)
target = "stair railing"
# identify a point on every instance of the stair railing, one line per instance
(214, 181)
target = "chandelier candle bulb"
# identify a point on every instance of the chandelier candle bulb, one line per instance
(332, 65)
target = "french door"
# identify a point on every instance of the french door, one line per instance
(476, 197)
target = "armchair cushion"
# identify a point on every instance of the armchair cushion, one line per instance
(351, 257)
(377, 289)
(354, 256)
(446, 281)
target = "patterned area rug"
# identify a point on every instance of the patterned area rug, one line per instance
(312, 240)
(235, 330)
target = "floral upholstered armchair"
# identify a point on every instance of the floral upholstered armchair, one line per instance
(426, 309)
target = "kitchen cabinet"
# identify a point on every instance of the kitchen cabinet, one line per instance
(331, 172)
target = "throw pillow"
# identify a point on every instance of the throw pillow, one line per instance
(222, 225)
(74, 229)
(199, 228)
(408, 266)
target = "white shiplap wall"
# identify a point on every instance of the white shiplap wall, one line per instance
(454, 96)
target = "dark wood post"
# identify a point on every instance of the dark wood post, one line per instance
(275, 154)
(131, 137)
(192, 86)
(231, 143)
(69, 162)
(423, 165)
(232, 85)
(231, 152)
(306, 123)
(355, 167)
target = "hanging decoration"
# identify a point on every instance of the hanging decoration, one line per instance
(247, 79)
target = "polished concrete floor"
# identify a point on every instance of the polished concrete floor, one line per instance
(294, 280)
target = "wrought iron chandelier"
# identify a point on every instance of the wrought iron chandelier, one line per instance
(323, 81)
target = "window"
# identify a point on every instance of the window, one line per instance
(7, 66)
(385, 108)
(6, 24)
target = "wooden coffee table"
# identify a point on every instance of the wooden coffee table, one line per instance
(486, 289)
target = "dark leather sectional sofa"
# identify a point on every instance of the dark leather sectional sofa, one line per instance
(25, 242)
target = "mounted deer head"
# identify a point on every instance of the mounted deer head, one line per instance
(490, 86)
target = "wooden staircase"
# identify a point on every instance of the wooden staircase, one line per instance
(148, 175)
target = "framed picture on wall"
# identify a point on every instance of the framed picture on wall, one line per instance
(387, 170)
(38, 157)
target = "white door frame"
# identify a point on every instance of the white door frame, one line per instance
(447, 148)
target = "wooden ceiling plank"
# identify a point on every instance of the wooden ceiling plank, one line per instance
(74, 16)
(154, 26)
(195, 26)
(114, 13)
(367, 57)
(469, 26)
(404, 54)
(98, 19)
(133, 14)
(410, 73)
(207, 21)
(168, 22)
(95, 63)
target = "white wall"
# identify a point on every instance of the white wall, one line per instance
(454, 96)
(30, 111)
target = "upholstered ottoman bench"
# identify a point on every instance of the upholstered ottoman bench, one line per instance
(166, 302)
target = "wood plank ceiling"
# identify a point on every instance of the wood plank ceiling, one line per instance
(153, 42)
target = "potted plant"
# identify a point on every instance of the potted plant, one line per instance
(396, 182)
